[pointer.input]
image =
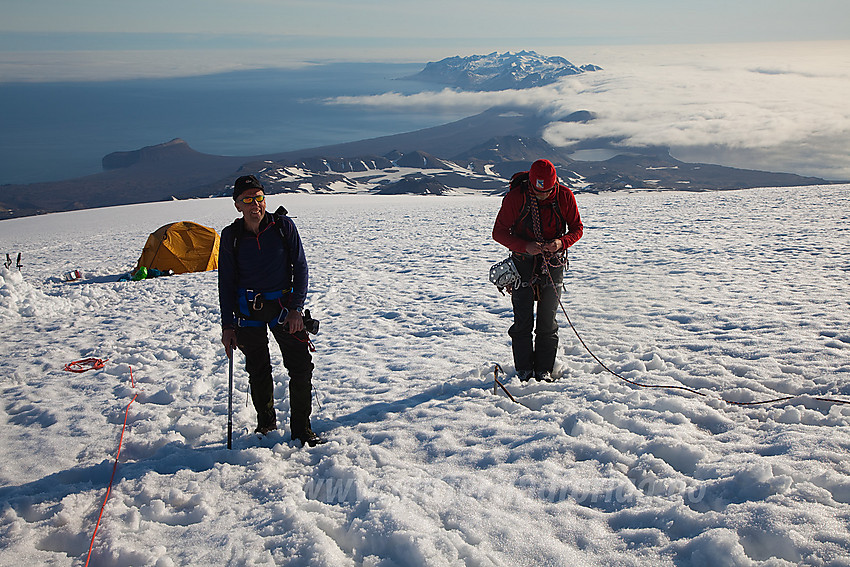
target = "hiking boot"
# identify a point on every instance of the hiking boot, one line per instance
(264, 429)
(266, 421)
(309, 438)
(524, 375)
(544, 376)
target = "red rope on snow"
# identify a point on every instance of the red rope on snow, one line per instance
(86, 364)
(114, 467)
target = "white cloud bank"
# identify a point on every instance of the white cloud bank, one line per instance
(781, 107)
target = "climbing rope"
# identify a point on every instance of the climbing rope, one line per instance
(549, 260)
(114, 467)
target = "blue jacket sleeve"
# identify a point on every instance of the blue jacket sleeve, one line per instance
(226, 279)
(300, 273)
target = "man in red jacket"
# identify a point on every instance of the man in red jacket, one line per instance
(538, 221)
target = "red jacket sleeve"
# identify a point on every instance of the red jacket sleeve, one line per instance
(569, 208)
(505, 220)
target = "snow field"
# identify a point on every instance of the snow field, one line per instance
(738, 294)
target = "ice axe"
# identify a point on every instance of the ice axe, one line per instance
(230, 401)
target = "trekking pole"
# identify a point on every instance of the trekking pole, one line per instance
(230, 402)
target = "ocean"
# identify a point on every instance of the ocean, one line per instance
(54, 131)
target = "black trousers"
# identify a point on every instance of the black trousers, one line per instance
(537, 352)
(254, 344)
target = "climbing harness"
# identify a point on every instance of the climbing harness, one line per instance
(256, 300)
(249, 300)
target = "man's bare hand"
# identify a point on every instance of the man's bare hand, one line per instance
(553, 246)
(294, 321)
(534, 248)
(228, 339)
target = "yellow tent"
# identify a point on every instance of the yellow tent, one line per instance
(182, 247)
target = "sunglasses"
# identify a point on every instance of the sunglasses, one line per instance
(249, 200)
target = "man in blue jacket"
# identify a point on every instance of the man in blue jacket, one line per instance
(262, 282)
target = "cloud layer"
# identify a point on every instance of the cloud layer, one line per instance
(781, 107)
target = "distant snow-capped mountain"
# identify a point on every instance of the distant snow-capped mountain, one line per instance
(500, 71)
(475, 155)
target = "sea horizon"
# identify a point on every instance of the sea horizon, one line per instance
(62, 130)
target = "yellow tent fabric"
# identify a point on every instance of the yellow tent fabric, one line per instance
(182, 247)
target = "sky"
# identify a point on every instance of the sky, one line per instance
(406, 30)
(752, 83)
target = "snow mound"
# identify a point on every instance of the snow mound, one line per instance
(19, 299)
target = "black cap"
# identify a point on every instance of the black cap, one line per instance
(244, 183)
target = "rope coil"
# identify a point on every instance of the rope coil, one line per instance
(85, 364)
